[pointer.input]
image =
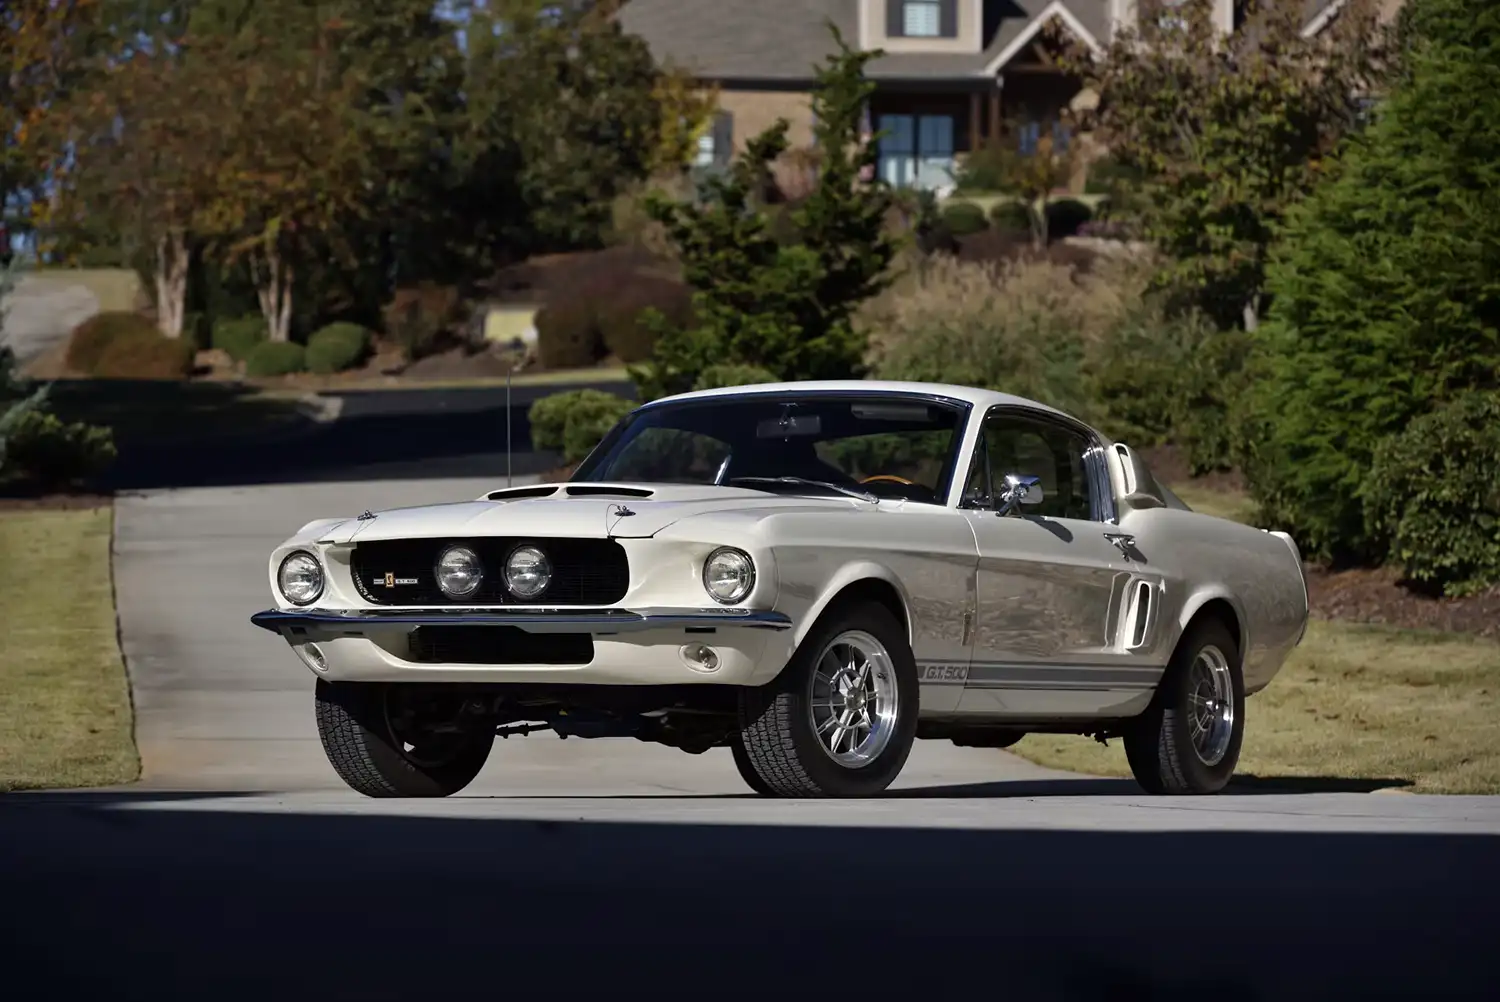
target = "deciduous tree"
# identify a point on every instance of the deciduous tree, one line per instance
(1229, 131)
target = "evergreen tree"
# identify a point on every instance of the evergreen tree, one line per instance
(1387, 288)
(783, 305)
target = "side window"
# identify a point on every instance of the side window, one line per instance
(1053, 454)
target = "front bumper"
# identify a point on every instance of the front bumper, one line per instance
(629, 647)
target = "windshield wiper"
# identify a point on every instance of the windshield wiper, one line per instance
(848, 491)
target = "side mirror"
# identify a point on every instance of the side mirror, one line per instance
(1019, 490)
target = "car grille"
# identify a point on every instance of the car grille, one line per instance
(592, 572)
(497, 645)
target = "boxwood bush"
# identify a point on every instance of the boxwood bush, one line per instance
(239, 336)
(276, 358)
(337, 347)
(573, 423)
(963, 218)
(146, 356)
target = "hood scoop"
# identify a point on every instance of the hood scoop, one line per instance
(570, 490)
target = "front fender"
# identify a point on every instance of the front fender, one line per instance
(852, 573)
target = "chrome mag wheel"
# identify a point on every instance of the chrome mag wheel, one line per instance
(854, 700)
(1210, 705)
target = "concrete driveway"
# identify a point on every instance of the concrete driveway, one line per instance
(241, 869)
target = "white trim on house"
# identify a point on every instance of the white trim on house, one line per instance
(1321, 19)
(1055, 9)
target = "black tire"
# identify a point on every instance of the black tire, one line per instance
(1159, 744)
(776, 720)
(746, 769)
(354, 723)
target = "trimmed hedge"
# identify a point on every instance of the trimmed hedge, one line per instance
(567, 336)
(143, 357)
(1065, 216)
(92, 338)
(337, 347)
(1010, 217)
(239, 336)
(276, 358)
(963, 218)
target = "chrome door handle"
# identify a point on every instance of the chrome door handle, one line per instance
(1124, 540)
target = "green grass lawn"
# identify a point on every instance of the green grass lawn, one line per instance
(65, 715)
(1354, 702)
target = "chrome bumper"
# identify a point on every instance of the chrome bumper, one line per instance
(595, 621)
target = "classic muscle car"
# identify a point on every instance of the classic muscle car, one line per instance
(813, 574)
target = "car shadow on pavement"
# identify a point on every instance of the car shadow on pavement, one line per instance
(168, 900)
(1246, 785)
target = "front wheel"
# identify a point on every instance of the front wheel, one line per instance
(1188, 740)
(401, 739)
(841, 718)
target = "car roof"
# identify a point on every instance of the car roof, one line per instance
(979, 399)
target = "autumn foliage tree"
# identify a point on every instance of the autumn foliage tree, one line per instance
(1229, 131)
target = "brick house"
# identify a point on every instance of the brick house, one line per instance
(954, 75)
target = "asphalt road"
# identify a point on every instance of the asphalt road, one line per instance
(241, 869)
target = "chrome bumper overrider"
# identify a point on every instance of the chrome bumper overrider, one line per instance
(595, 621)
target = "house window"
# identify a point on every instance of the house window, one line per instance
(716, 146)
(916, 150)
(1029, 137)
(921, 18)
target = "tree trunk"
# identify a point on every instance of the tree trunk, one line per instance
(172, 260)
(273, 287)
(1252, 314)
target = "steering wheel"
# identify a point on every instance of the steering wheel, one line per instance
(888, 478)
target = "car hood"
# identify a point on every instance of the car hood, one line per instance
(571, 510)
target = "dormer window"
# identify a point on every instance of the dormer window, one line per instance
(921, 19)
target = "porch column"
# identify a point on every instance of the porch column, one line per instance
(976, 141)
(995, 115)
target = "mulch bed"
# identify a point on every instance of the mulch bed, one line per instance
(1378, 596)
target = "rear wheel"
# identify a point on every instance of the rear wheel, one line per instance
(1188, 740)
(401, 740)
(841, 718)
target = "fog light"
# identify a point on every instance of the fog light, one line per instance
(313, 657)
(700, 657)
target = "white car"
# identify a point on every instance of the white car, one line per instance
(814, 574)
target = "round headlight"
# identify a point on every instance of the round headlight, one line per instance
(527, 572)
(728, 575)
(459, 572)
(300, 578)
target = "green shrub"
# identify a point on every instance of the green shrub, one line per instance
(716, 376)
(568, 336)
(1065, 216)
(54, 453)
(238, 336)
(963, 218)
(276, 358)
(1434, 494)
(1010, 216)
(1383, 289)
(573, 423)
(336, 348)
(92, 338)
(142, 357)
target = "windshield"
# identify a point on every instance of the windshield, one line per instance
(886, 445)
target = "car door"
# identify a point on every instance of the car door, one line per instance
(1051, 577)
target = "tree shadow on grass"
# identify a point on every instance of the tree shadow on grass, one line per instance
(130, 896)
(174, 434)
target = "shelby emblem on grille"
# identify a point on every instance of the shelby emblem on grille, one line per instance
(391, 581)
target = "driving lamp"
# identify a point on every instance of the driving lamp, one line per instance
(459, 572)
